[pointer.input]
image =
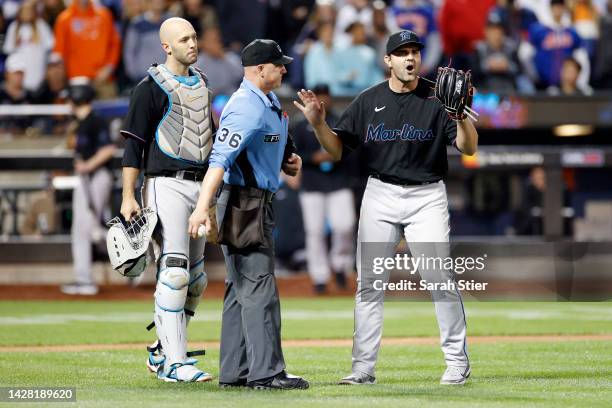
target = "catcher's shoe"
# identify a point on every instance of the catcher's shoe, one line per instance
(183, 372)
(156, 356)
(358, 379)
(455, 375)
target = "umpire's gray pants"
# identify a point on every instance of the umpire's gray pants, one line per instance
(251, 325)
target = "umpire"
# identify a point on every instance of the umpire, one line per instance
(251, 146)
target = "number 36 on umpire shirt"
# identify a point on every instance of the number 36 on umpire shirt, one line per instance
(403, 135)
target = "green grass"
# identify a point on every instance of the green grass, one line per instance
(519, 375)
(40, 323)
(506, 374)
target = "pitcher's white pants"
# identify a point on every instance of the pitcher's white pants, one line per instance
(420, 213)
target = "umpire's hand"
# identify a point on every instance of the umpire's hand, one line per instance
(293, 165)
(199, 216)
(129, 208)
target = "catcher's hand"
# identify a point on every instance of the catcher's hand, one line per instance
(454, 90)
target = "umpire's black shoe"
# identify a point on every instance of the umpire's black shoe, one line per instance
(281, 381)
(240, 383)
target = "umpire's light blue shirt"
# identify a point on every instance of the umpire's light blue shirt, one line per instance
(250, 125)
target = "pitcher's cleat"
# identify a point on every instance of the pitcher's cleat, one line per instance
(455, 375)
(358, 379)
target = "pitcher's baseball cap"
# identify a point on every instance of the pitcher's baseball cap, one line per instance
(262, 52)
(402, 38)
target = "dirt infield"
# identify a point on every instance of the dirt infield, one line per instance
(394, 341)
(298, 286)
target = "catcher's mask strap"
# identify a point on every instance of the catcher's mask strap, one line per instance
(150, 326)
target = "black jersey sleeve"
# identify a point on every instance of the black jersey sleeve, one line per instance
(133, 153)
(348, 127)
(138, 122)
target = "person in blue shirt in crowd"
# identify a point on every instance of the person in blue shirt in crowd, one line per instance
(550, 46)
(251, 147)
(419, 16)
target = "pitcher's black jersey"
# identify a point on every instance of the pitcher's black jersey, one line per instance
(403, 135)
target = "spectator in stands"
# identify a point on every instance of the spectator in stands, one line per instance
(319, 63)
(54, 90)
(51, 9)
(586, 23)
(141, 46)
(131, 9)
(224, 69)
(461, 25)
(241, 21)
(93, 151)
(197, 12)
(603, 58)
(515, 19)
(570, 70)
(549, 46)
(357, 10)
(323, 12)
(285, 20)
(30, 36)
(12, 92)
(326, 199)
(349, 13)
(89, 44)
(419, 16)
(383, 25)
(356, 65)
(496, 66)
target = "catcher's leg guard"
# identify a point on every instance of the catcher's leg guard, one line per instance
(197, 285)
(170, 295)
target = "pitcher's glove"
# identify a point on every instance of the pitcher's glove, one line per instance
(454, 90)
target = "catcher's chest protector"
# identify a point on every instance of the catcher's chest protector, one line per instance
(185, 132)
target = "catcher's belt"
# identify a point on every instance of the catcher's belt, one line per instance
(185, 132)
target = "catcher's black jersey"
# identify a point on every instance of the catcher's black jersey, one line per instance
(148, 104)
(403, 135)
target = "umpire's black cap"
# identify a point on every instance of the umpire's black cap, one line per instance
(402, 38)
(262, 52)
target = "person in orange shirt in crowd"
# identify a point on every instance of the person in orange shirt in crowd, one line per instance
(88, 42)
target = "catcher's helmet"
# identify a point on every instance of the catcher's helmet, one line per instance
(127, 245)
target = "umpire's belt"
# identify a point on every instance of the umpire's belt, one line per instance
(402, 183)
(184, 175)
(251, 192)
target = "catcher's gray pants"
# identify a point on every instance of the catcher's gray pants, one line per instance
(251, 325)
(95, 187)
(337, 208)
(174, 200)
(420, 213)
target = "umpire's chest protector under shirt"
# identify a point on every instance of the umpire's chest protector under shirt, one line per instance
(251, 139)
